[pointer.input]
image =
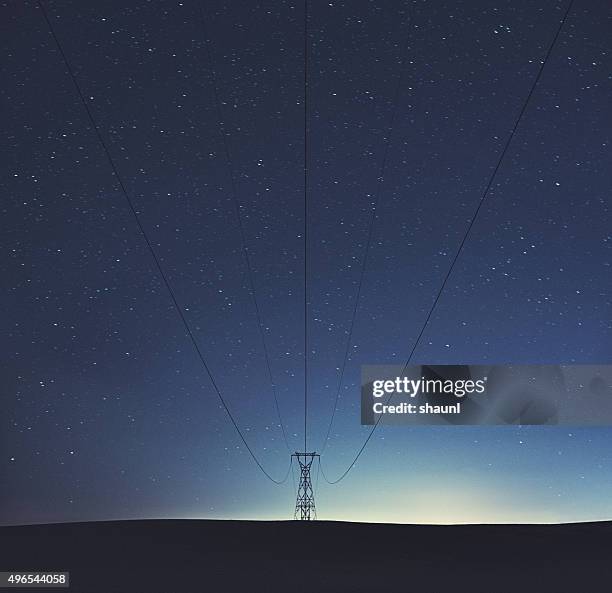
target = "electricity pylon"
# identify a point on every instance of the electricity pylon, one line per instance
(305, 504)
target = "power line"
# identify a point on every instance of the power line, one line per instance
(293, 475)
(364, 261)
(245, 249)
(305, 223)
(150, 245)
(465, 237)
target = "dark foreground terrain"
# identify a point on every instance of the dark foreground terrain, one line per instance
(174, 556)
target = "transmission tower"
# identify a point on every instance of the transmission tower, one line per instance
(305, 509)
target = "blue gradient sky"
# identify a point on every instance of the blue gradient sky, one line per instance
(110, 414)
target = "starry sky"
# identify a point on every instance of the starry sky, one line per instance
(107, 410)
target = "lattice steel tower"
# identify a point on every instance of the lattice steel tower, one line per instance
(305, 504)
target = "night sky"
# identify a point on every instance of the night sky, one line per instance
(107, 411)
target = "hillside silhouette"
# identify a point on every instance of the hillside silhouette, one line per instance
(175, 556)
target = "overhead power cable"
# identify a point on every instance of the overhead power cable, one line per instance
(293, 476)
(370, 233)
(238, 208)
(150, 247)
(465, 237)
(305, 224)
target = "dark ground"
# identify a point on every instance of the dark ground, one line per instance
(174, 556)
